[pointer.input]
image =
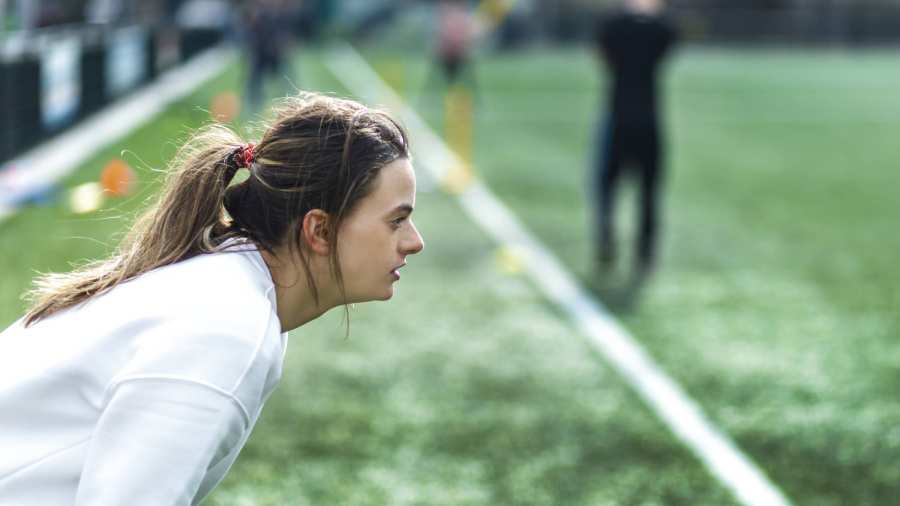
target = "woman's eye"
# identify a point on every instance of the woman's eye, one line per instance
(397, 221)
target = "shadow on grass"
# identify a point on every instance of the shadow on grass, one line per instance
(620, 296)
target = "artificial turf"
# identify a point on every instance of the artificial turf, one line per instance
(776, 300)
(775, 303)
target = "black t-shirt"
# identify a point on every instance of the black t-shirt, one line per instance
(633, 46)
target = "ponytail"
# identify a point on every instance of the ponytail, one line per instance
(320, 152)
(187, 220)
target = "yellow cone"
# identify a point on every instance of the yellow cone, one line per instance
(86, 198)
(457, 180)
(458, 131)
(509, 260)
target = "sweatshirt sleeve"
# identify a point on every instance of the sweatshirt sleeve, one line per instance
(155, 441)
(184, 401)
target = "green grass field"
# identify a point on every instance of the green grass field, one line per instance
(775, 306)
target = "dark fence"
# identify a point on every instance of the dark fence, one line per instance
(54, 78)
(827, 23)
(784, 22)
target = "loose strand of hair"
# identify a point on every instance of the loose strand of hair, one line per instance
(176, 227)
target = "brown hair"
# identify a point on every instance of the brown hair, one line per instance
(319, 152)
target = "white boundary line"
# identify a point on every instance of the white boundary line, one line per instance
(52, 160)
(676, 409)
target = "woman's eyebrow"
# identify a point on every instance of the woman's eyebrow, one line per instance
(402, 208)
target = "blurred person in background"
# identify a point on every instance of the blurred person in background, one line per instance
(455, 31)
(455, 35)
(137, 379)
(631, 45)
(267, 31)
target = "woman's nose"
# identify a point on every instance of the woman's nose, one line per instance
(415, 243)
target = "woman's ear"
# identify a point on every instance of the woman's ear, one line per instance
(315, 232)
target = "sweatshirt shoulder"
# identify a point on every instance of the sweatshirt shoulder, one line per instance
(218, 326)
(224, 283)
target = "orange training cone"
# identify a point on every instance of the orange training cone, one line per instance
(117, 178)
(225, 107)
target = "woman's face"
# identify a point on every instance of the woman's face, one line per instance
(378, 235)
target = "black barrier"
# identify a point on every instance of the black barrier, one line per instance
(93, 78)
(6, 121)
(195, 40)
(151, 71)
(35, 107)
(21, 101)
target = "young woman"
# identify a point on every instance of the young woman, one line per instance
(137, 379)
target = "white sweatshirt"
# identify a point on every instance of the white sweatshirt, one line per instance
(144, 395)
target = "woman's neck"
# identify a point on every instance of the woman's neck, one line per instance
(295, 302)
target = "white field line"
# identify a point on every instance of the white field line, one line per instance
(676, 409)
(50, 161)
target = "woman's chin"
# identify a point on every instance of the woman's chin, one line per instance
(387, 295)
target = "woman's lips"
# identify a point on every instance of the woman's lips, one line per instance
(396, 271)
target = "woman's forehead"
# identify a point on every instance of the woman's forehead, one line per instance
(395, 184)
(393, 191)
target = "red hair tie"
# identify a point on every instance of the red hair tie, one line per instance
(247, 155)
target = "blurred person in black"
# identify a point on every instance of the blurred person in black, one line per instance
(631, 44)
(268, 41)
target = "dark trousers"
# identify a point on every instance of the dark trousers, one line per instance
(263, 64)
(621, 146)
(450, 70)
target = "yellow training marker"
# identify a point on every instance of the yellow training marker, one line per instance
(457, 179)
(509, 260)
(86, 198)
(494, 11)
(458, 130)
